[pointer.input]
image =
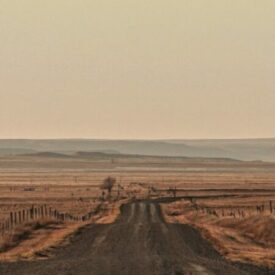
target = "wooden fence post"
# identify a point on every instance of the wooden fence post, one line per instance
(11, 219)
(31, 213)
(42, 212)
(38, 212)
(15, 218)
(19, 217)
(2, 228)
(28, 215)
(23, 215)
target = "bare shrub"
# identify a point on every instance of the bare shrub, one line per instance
(108, 184)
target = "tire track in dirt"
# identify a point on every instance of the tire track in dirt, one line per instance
(132, 212)
(155, 217)
(139, 242)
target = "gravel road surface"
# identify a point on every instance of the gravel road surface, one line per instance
(138, 243)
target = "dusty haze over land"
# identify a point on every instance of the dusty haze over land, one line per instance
(137, 69)
(137, 137)
(252, 149)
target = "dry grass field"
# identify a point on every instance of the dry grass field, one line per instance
(218, 196)
(235, 226)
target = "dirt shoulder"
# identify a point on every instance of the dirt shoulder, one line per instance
(247, 240)
(39, 239)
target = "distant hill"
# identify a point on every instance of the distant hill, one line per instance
(243, 149)
(103, 153)
(15, 151)
(113, 155)
(47, 155)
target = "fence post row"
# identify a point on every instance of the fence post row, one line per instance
(36, 212)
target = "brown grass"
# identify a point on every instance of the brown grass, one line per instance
(250, 239)
(27, 239)
(35, 240)
(72, 186)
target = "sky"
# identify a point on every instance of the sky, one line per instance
(137, 69)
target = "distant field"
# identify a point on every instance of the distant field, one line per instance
(63, 180)
(90, 169)
(71, 184)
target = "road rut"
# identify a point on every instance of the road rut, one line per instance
(139, 242)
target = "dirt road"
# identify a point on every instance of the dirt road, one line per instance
(138, 243)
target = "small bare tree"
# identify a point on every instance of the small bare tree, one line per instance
(108, 184)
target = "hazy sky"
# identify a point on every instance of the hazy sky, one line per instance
(137, 68)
